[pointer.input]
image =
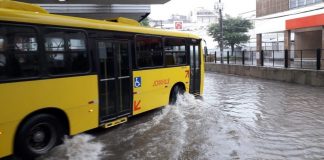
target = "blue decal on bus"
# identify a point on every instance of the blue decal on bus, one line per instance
(137, 82)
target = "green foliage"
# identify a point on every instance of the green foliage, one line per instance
(145, 22)
(234, 31)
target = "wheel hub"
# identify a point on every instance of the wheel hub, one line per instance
(39, 136)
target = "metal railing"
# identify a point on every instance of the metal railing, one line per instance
(303, 59)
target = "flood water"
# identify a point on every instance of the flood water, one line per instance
(238, 118)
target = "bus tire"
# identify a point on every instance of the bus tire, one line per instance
(38, 135)
(177, 89)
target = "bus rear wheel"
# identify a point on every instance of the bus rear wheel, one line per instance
(176, 90)
(38, 135)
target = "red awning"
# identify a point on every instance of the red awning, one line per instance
(305, 22)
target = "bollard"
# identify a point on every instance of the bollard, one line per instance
(251, 56)
(227, 57)
(261, 58)
(318, 59)
(301, 58)
(234, 57)
(243, 58)
(286, 58)
(273, 58)
(205, 57)
(222, 59)
(215, 57)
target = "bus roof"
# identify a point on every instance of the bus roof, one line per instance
(35, 17)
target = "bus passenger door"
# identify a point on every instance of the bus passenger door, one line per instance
(194, 69)
(114, 79)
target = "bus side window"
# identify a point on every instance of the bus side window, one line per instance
(66, 51)
(77, 48)
(3, 59)
(55, 51)
(175, 51)
(149, 51)
(19, 56)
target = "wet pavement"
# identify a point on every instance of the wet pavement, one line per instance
(238, 118)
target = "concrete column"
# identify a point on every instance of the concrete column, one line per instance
(322, 37)
(322, 54)
(258, 47)
(287, 43)
(287, 39)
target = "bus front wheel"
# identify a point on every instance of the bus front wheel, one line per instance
(176, 90)
(38, 135)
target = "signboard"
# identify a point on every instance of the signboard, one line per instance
(178, 25)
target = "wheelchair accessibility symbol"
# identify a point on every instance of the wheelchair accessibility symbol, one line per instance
(137, 82)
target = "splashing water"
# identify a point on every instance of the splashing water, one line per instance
(189, 129)
(80, 147)
(143, 127)
(239, 118)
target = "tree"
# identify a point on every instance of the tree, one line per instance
(234, 31)
(145, 22)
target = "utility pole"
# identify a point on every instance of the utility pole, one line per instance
(221, 44)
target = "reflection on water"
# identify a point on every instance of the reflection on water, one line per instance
(278, 120)
(238, 118)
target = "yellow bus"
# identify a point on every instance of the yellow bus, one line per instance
(62, 75)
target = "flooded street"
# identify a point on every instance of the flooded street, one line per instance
(238, 118)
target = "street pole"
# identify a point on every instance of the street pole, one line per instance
(221, 45)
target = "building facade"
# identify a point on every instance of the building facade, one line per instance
(203, 16)
(299, 24)
(196, 21)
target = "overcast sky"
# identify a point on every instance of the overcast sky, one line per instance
(231, 7)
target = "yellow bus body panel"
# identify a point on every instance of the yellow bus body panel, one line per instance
(156, 87)
(8, 4)
(202, 68)
(77, 97)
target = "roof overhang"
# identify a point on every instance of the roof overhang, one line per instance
(99, 9)
(305, 22)
(95, 11)
(96, 1)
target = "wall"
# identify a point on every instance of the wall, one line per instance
(307, 77)
(266, 7)
(277, 22)
(308, 42)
